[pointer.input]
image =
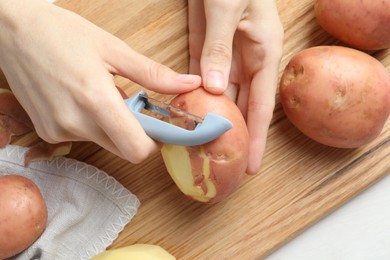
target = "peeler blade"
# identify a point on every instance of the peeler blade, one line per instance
(163, 109)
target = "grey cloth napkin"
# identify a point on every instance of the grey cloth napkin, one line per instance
(87, 208)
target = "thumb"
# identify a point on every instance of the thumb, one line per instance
(217, 49)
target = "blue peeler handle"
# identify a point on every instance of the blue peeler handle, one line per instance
(211, 127)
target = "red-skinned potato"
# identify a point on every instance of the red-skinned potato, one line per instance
(362, 24)
(11, 107)
(23, 214)
(211, 172)
(14, 121)
(336, 95)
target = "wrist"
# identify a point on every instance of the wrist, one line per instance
(16, 16)
(13, 12)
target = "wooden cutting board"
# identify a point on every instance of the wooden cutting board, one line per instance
(300, 181)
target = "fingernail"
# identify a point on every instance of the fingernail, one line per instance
(214, 79)
(187, 78)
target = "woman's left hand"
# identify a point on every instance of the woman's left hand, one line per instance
(236, 47)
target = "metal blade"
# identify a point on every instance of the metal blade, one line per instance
(161, 108)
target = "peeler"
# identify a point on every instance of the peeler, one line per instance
(206, 129)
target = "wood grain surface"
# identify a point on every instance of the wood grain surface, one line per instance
(300, 181)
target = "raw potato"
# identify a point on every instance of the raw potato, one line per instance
(210, 172)
(337, 96)
(135, 252)
(23, 214)
(10, 106)
(362, 24)
(14, 121)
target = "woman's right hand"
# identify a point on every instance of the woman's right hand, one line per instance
(60, 67)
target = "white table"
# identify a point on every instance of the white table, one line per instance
(359, 230)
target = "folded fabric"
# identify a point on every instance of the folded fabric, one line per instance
(87, 208)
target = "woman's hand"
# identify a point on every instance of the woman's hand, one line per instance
(236, 47)
(60, 67)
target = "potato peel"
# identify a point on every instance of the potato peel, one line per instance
(46, 151)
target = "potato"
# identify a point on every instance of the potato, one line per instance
(362, 24)
(336, 95)
(135, 252)
(210, 172)
(14, 121)
(23, 214)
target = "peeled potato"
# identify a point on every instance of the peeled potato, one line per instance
(135, 252)
(210, 172)
(335, 95)
(23, 214)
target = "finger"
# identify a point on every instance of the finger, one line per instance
(232, 91)
(92, 133)
(235, 79)
(99, 137)
(121, 127)
(197, 31)
(261, 103)
(242, 99)
(89, 124)
(89, 132)
(128, 63)
(216, 56)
